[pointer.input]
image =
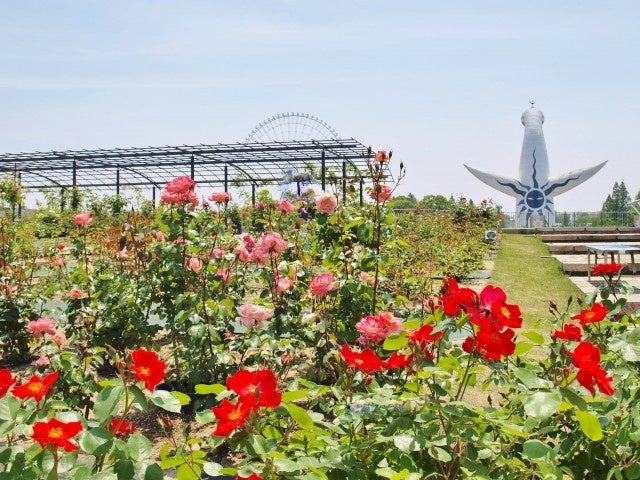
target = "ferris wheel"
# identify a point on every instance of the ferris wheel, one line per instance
(286, 127)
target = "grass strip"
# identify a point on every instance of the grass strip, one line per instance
(531, 278)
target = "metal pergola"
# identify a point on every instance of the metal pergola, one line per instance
(219, 165)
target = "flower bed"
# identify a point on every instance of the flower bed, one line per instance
(305, 348)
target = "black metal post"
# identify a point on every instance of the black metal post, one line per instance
(20, 204)
(226, 178)
(323, 172)
(75, 177)
(344, 181)
(153, 195)
(117, 181)
(361, 191)
(193, 167)
(253, 194)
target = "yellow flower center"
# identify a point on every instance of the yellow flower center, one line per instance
(144, 371)
(35, 387)
(235, 414)
(56, 432)
(505, 312)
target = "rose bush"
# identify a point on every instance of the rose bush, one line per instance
(304, 348)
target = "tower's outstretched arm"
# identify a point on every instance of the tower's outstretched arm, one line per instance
(566, 181)
(510, 186)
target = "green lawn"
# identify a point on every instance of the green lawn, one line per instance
(531, 278)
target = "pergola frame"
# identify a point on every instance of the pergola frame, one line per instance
(220, 165)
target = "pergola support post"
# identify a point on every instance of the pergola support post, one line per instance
(117, 181)
(361, 191)
(253, 194)
(323, 171)
(193, 167)
(153, 195)
(226, 178)
(75, 173)
(344, 182)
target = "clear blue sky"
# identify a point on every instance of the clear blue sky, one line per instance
(441, 83)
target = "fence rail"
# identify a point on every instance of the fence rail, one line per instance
(584, 219)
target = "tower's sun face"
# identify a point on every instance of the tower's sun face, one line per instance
(534, 199)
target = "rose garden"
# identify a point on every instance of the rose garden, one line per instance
(308, 338)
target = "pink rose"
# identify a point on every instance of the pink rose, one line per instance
(326, 202)
(224, 274)
(218, 252)
(253, 316)
(195, 265)
(160, 236)
(381, 193)
(242, 253)
(180, 191)
(58, 339)
(219, 197)
(122, 253)
(322, 284)
(42, 360)
(83, 219)
(76, 293)
(41, 326)
(259, 257)
(382, 157)
(285, 206)
(249, 242)
(272, 243)
(283, 284)
(377, 328)
(366, 277)
(58, 262)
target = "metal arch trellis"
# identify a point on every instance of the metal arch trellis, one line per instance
(254, 164)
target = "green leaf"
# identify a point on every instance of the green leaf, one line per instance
(96, 441)
(124, 469)
(406, 443)
(188, 472)
(165, 400)
(107, 403)
(589, 424)
(141, 398)
(183, 398)
(574, 399)
(542, 404)
(294, 395)
(440, 454)
(530, 379)
(629, 351)
(205, 416)
(395, 341)
(535, 449)
(284, 465)
(212, 469)
(301, 416)
(522, 348)
(140, 447)
(9, 407)
(214, 389)
(535, 337)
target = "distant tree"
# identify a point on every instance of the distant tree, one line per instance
(436, 203)
(615, 209)
(403, 202)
